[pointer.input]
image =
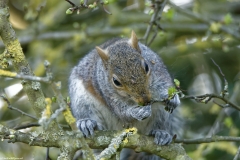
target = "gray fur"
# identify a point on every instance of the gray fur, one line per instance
(112, 109)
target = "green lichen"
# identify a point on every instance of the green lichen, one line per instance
(15, 50)
(4, 59)
(7, 73)
(36, 86)
(68, 116)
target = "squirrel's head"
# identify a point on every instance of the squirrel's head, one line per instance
(128, 71)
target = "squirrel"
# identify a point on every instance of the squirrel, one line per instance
(123, 83)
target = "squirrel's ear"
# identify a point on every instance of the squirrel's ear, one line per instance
(133, 41)
(102, 53)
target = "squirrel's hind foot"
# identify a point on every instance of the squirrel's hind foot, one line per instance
(87, 126)
(161, 137)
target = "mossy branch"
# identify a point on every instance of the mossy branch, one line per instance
(100, 140)
(15, 53)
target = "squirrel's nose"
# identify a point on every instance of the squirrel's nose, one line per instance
(144, 103)
(144, 100)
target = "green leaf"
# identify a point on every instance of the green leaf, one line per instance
(54, 99)
(171, 92)
(92, 6)
(176, 82)
(148, 4)
(169, 14)
(151, 12)
(69, 11)
(215, 27)
(228, 122)
(227, 19)
(106, 2)
(68, 100)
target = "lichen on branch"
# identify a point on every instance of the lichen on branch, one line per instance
(20, 64)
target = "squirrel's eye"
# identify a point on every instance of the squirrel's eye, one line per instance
(116, 82)
(146, 67)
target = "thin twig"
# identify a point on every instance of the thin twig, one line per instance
(85, 5)
(207, 97)
(62, 106)
(24, 126)
(157, 14)
(16, 109)
(208, 140)
(215, 127)
(219, 69)
(24, 77)
(237, 156)
(85, 2)
(105, 9)
(153, 37)
(225, 90)
(32, 78)
(55, 87)
(200, 18)
(28, 125)
(47, 154)
(221, 105)
(73, 5)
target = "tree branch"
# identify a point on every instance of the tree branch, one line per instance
(28, 125)
(200, 18)
(115, 144)
(225, 89)
(207, 97)
(13, 47)
(16, 109)
(158, 9)
(208, 140)
(107, 31)
(237, 156)
(23, 77)
(100, 140)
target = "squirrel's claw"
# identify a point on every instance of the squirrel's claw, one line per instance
(87, 126)
(172, 103)
(141, 113)
(161, 137)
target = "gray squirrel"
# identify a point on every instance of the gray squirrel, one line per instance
(122, 83)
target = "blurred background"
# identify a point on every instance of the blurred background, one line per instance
(185, 43)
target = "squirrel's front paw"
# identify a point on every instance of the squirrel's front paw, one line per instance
(141, 113)
(87, 126)
(161, 137)
(172, 103)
